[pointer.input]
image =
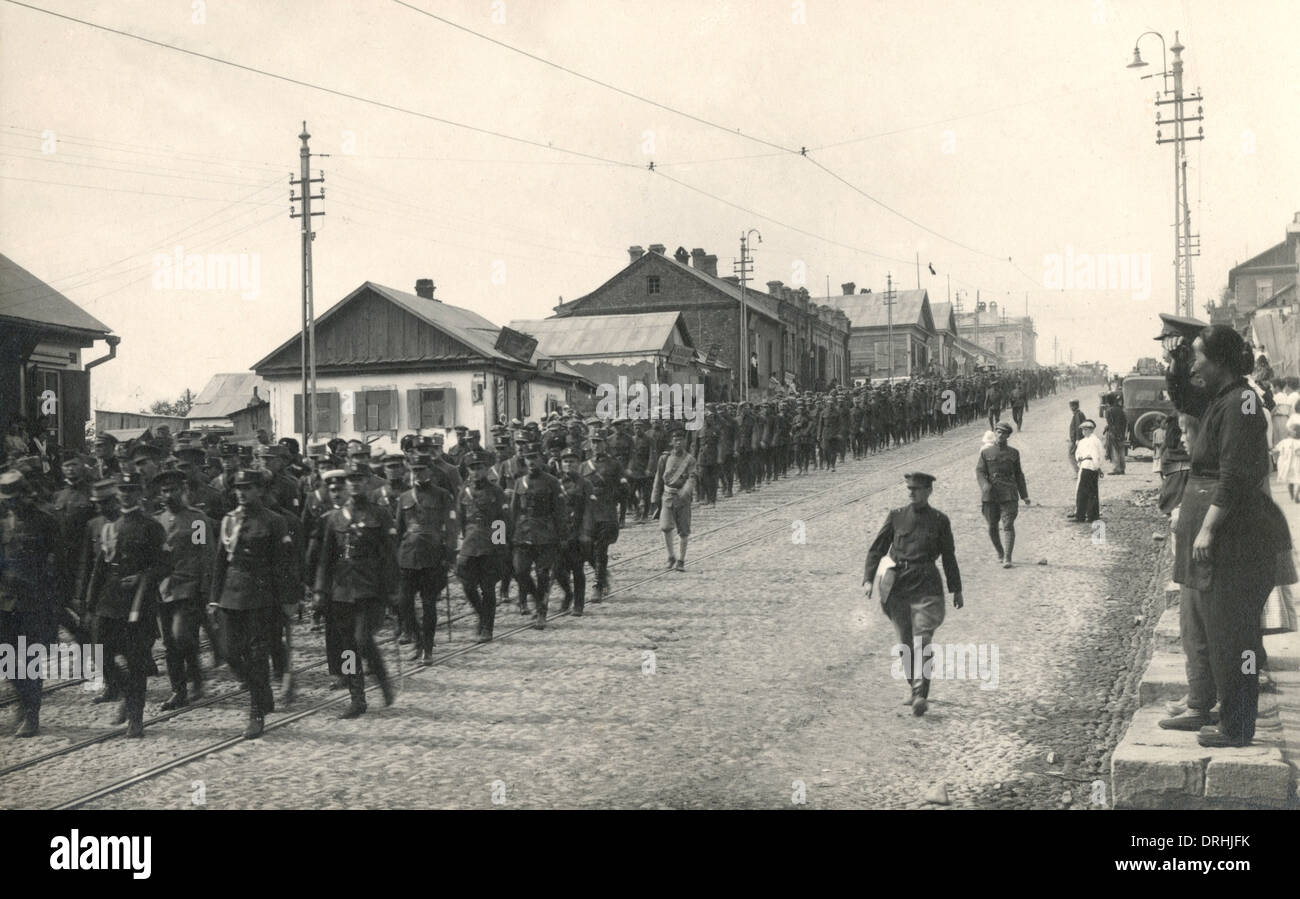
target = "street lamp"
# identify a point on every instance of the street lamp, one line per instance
(1185, 246)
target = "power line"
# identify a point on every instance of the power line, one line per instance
(123, 190)
(144, 149)
(735, 132)
(318, 87)
(87, 165)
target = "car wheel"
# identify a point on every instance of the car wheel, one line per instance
(1144, 428)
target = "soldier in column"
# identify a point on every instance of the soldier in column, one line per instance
(675, 478)
(1019, 404)
(426, 546)
(124, 590)
(105, 465)
(357, 574)
(744, 448)
(336, 494)
(191, 542)
(572, 555)
(224, 483)
(484, 513)
(538, 518)
(388, 495)
(915, 536)
(104, 497)
(72, 510)
(29, 541)
(253, 577)
(620, 447)
(599, 523)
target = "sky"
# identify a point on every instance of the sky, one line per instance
(990, 140)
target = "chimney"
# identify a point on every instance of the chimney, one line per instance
(425, 288)
(865, 290)
(708, 264)
(635, 253)
(657, 248)
(848, 287)
(682, 256)
(696, 255)
(1294, 226)
(774, 288)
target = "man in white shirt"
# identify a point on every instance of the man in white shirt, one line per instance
(1089, 454)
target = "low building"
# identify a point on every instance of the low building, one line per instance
(908, 321)
(1267, 281)
(789, 338)
(224, 396)
(390, 363)
(109, 421)
(43, 375)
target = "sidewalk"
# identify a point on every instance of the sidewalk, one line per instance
(1154, 768)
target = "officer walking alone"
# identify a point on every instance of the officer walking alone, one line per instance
(914, 536)
(1001, 482)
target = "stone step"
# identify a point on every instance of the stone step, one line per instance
(1154, 768)
(1171, 595)
(1166, 637)
(1165, 678)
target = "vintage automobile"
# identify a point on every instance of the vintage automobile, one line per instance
(1146, 403)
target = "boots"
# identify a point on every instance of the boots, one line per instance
(357, 708)
(120, 717)
(30, 726)
(135, 718)
(1009, 541)
(179, 699)
(256, 722)
(110, 694)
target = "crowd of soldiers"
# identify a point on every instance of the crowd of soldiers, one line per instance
(173, 538)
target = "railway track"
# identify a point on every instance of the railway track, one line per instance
(743, 517)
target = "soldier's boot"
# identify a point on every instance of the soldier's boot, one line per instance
(120, 716)
(286, 688)
(256, 724)
(567, 602)
(387, 690)
(110, 694)
(357, 707)
(196, 684)
(1009, 541)
(135, 718)
(179, 699)
(539, 617)
(338, 682)
(31, 725)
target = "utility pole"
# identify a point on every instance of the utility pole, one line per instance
(304, 183)
(1186, 244)
(889, 305)
(918, 271)
(743, 268)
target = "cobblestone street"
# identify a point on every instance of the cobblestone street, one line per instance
(760, 678)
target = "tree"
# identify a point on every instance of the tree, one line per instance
(178, 409)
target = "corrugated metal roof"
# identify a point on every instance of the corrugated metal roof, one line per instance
(600, 335)
(25, 296)
(868, 310)
(227, 393)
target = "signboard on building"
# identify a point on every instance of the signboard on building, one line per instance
(681, 355)
(516, 344)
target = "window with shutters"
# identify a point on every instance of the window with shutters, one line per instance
(433, 409)
(327, 413)
(379, 410)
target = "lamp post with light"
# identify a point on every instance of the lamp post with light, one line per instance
(1186, 244)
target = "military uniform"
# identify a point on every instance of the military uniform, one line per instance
(254, 575)
(191, 542)
(124, 595)
(72, 510)
(914, 539)
(1002, 486)
(426, 544)
(29, 538)
(572, 557)
(483, 512)
(357, 572)
(537, 515)
(600, 521)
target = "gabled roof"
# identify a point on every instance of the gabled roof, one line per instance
(755, 300)
(868, 310)
(573, 337)
(1277, 255)
(25, 297)
(227, 393)
(944, 319)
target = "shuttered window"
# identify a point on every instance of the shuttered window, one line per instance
(431, 407)
(379, 410)
(327, 413)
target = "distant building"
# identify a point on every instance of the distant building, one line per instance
(912, 329)
(390, 363)
(795, 340)
(1011, 337)
(1268, 281)
(646, 347)
(224, 396)
(43, 375)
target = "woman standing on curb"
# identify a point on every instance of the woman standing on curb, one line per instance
(1229, 531)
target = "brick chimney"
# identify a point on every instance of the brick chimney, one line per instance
(658, 248)
(635, 253)
(708, 264)
(848, 287)
(425, 288)
(774, 288)
(682, 256)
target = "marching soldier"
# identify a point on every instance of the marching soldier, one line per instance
(29, 540)
(537, 515)
(426, 545)
(191, 542)
(104, 497)
(600, 515)
(318, 509)
(1002, 485)
(105, 464)
(914, 536)
(73, 510)
(572, 557)
(356, 574)
(224, 483)
(207, 499)
(483, 512)
(253, 577)
(673, 491)
(124, 594)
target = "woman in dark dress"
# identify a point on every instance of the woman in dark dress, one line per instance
(1229, 530)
